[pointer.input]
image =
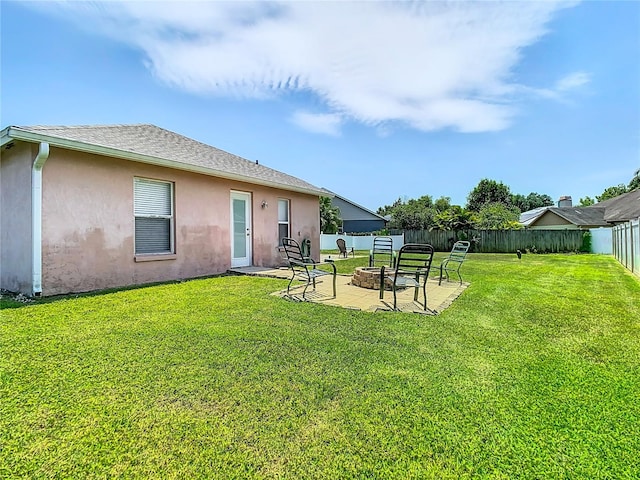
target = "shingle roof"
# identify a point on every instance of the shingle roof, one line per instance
(329, 193)
(581, 216)
(151, 144)
(621, 208)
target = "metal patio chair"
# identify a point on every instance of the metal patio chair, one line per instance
(382, 252)
(454, 261)
(411, 271)
(304, 268)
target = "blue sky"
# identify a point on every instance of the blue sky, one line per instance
(372, 100)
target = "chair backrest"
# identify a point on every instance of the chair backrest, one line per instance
(292, 250)
(382, 252)
(342, 245)
(414, 258)
(459, 251)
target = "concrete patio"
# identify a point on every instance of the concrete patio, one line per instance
(353, 297)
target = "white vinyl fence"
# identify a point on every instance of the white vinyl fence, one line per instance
(358, 242)
(602, 240)
(626, 245)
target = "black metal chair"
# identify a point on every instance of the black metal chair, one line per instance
(411, 270)
(342, 246)
(454, 261)
(382, 252)
(304, 268)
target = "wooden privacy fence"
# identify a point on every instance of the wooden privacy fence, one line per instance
(502, 241)
(626, 245)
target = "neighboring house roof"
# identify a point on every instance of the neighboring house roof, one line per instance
(622, 208)
(150, 144)
(355, 212)
(528, 217)
(580, 216)
(618, 209)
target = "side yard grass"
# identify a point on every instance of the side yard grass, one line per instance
(534, 372)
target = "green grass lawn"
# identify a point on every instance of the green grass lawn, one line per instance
(534, 372)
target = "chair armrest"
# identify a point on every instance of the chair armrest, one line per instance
(329, 261)
(298, 263)
(333, 265)
(316, 272)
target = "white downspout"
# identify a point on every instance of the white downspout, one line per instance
(36, 218)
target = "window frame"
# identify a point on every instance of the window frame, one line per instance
(164, 254)
(288, 220)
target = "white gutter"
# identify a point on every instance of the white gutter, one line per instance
(36, 218)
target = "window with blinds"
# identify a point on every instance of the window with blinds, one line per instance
(153, 210)
(283, 219)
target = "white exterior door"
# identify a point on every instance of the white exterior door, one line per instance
(240, 229)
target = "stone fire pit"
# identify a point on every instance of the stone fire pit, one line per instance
(369, 277)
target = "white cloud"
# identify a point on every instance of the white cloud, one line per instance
(563, 87)
(572, 81)
(428, 65)
(328, 123)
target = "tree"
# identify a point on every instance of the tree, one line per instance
(488, 191)
(426, 214)
(454, 218)
(531, 201)
(413, 215)
(329, 216)
(634, 184)
(612, 192)
(536, 200)
(442, 204)
(498, 216)
(387, 209)
(520, 201)
(423, 202)
(586, 201)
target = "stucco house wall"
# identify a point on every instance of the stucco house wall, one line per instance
(552, 221)
(15, 217)
(88, 221)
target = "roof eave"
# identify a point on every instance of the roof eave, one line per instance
(335, 195)
(16, 133)
(5, 137)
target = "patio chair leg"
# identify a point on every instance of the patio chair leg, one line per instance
(334, 286)
(395, 306)
(304, 292)
(290, 281)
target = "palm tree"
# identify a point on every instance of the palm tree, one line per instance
(329, 216)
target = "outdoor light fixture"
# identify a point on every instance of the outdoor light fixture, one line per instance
(264, 204)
